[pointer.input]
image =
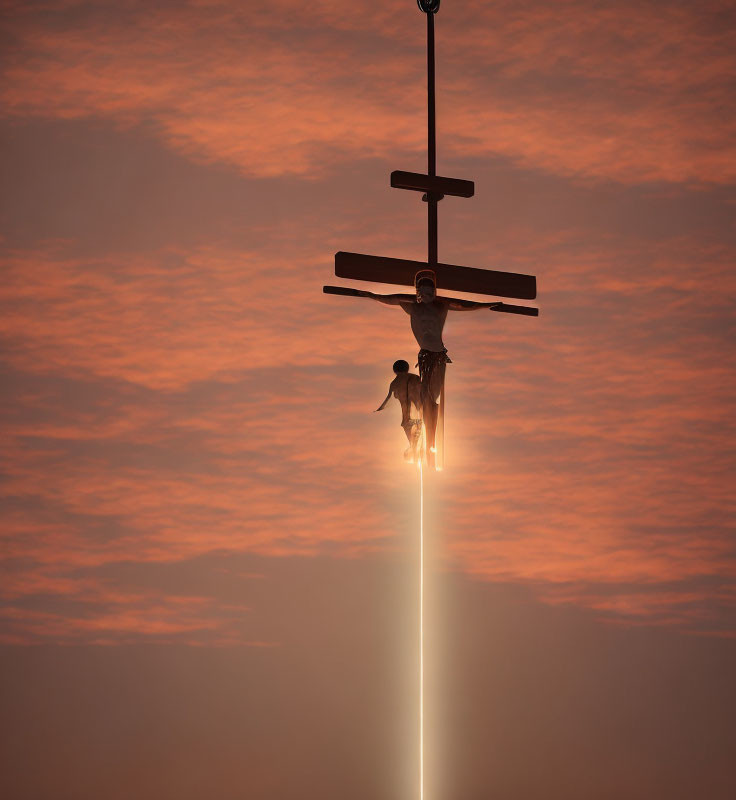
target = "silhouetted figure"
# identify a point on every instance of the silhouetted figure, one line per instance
(428, 313)
(406, 387)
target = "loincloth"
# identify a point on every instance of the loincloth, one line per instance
(428, 361)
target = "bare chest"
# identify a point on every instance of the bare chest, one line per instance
(427, 322)
(429, 316)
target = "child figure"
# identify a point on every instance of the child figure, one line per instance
(406, 387)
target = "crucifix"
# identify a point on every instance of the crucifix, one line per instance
(428, 310)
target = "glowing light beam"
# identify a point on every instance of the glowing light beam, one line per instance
(421, 631)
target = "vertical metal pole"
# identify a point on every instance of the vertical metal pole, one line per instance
(431, 146)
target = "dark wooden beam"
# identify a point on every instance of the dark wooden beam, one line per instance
(437, 185)
(379, 269)
(506, 308)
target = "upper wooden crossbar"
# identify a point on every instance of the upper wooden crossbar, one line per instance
(458, 279)
(433, 184)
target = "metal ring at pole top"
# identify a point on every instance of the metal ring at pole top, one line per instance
(429, 6)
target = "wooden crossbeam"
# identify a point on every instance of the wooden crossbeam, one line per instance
(432, 184)
(506, 308)
(379, 269)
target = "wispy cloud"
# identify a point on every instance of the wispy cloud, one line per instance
(170, 402)
(626, 92)
(151, 406)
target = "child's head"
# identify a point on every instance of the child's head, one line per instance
(401, 366)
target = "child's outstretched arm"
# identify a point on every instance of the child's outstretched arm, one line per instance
(388, 397)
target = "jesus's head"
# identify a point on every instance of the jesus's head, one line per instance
(425, 286)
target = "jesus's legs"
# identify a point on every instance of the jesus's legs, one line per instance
(433, 379)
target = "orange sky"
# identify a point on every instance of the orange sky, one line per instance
(181, 402)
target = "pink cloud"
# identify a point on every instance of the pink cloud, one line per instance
(628, 92)
(174, 403)
(573, 459)
(100, 615)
